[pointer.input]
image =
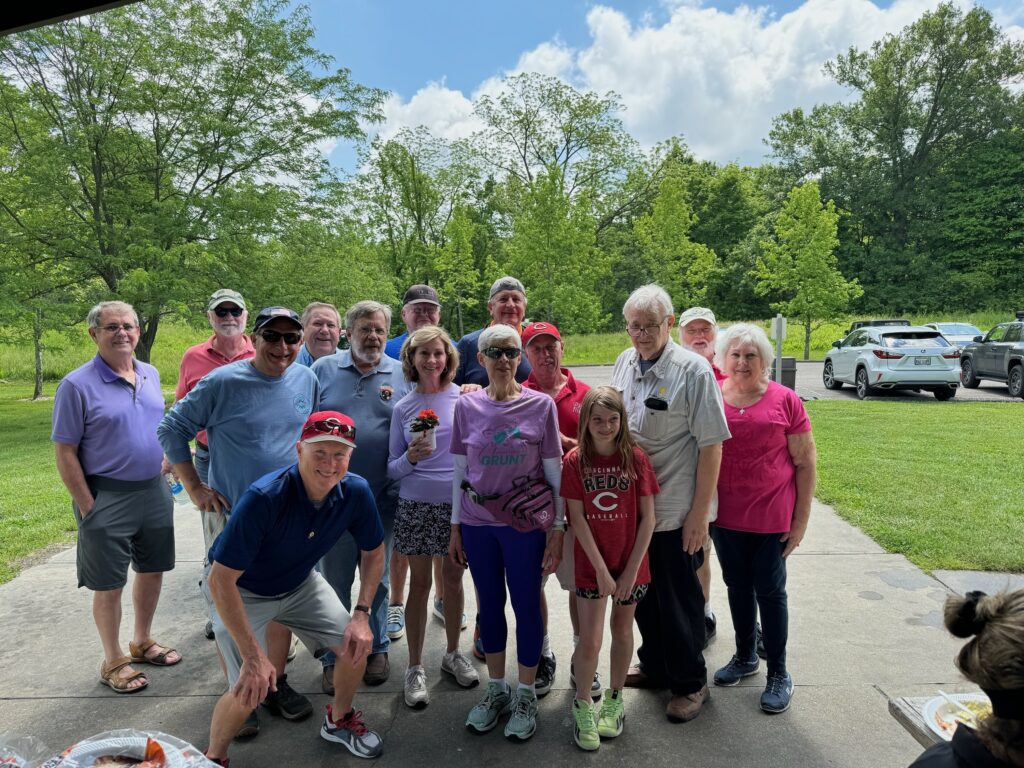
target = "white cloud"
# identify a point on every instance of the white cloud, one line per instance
(716, 77)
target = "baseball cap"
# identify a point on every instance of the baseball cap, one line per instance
(506, 283)
(533, 330)
(223, 295)
(329, 425)
(421, 294)
(269, 313)
(697, 313)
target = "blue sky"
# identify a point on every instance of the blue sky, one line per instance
(714, 71)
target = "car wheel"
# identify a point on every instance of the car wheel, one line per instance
(967, 377)
(863, 388)
(828, 377)
(1015, 381)
(945, 393)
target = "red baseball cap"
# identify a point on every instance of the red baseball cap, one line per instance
(533, 330)
(329, 425)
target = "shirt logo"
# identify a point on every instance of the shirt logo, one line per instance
(302, 405)
(599, 501)
(386, 391)
(502, 435)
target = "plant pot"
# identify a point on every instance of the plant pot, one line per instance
(431, 439)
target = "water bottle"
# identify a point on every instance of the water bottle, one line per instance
(177, 490)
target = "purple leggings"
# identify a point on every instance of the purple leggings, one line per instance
(498, 554)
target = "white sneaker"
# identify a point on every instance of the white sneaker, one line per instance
(416, 695)
(461, 668)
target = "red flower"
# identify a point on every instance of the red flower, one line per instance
(426, 419)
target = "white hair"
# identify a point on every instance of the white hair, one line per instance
(495, 333)
(120, 307)
(651, 299)
(745, 333)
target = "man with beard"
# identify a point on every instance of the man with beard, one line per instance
(321, 332)
(506, 304)
(365, 384)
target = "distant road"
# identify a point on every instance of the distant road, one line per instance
(809, 386)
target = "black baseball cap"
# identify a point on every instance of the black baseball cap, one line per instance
(272, 313)
(421, 294)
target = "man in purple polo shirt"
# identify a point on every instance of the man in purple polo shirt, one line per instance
(105, 415)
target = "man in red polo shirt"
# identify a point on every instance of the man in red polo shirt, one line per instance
(542, 344)
(227, 314)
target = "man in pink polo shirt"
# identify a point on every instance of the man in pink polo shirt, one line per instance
(227, 314)
(542, 344)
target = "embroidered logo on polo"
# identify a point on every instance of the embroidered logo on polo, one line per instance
(302, 404)
(385, 392)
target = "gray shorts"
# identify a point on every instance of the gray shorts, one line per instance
(130, 522)
(312, 611)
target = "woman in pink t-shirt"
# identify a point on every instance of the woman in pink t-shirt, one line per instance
(765, 488)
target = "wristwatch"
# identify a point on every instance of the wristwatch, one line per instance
(364, 608)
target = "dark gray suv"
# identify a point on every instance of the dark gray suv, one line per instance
(998, 356)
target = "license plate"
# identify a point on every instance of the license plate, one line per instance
(922, 361)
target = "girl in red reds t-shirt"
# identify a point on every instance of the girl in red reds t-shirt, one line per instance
(609, 486)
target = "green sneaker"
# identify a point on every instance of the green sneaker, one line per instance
(523, 722)
(584, 730)
(484, 716)
(612, 715)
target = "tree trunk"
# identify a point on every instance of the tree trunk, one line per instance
(147, 335)
(37, 345)
(807, 338)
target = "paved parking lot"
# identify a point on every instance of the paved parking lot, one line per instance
(809, 386)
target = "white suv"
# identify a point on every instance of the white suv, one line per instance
(911, 357)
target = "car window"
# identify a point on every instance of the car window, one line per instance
(997, 333)
(1013, 334)
(855, 339)
(918, 339)
(959, 329)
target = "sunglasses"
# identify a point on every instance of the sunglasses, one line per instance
(224, 312)
(495, 353)
(334, 427)
(272, 337)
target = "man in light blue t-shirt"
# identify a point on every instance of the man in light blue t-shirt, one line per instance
(253, 412)
(365, 384)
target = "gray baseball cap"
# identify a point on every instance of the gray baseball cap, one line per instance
(697, 313)
(224, 295)
(506, 283)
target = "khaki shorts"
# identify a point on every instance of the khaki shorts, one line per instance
(312, 611)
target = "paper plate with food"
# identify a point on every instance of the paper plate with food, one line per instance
(946, 711)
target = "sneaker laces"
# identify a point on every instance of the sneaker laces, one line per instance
(522, 706)
(459, 662)
(395, 613)
(776, 684)
(493, 692)
(583, 715)
(353, 721)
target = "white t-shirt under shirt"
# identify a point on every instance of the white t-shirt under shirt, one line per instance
(502, 440)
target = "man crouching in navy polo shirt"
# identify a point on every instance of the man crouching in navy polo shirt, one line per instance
(261, 570)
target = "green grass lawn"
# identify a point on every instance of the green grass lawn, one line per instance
(938, 484)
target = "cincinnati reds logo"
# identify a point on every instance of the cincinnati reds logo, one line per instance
(600, 500)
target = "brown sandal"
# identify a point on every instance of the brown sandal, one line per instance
(138, 654)
(118, 684)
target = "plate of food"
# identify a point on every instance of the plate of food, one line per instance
(945, 712)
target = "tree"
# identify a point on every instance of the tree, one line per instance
(458, 280)
(923, 98)
(171, 130)
(798, 267)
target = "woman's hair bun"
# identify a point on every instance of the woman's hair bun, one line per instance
(962, 616)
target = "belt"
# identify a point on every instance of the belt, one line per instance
(477, 497)
(101, 483)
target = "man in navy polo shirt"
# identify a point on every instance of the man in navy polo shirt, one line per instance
(105, 415)
(261, 570)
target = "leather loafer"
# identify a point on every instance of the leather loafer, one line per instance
(686, 707)
(637, 678)
(378, 669)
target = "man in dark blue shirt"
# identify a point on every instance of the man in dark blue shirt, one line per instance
(261, 570)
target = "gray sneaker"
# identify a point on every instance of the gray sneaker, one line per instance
(458, 666)
(523, 722)
(416, 695)
(736, 670)
(484, 716)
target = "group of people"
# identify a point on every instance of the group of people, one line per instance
(486, 455)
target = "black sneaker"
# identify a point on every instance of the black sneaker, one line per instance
(760, 643)
(250, 727)
(710, 628)
(545, 675)
(287, 702)
(596, 691)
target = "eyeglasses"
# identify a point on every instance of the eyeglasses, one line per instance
(112, 328)
(495, 353)
(272, 337)
(636, 331)
(334, 427)
(224, 311)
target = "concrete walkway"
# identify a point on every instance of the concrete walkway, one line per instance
(864, 625)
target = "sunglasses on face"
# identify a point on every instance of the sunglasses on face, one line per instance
(334, 427)
(224, 312)
(272, 337)
(495, 353)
